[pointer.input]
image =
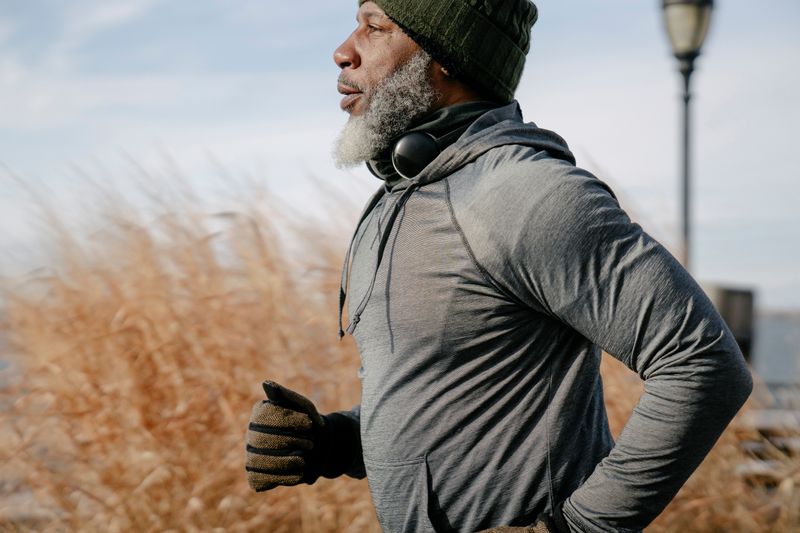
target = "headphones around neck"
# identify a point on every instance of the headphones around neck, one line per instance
(415, 150)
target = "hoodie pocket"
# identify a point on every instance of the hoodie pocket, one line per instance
(400, 495)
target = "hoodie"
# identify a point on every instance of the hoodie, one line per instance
(480, 295)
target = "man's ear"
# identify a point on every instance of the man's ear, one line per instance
(451, 89)
(439, 73)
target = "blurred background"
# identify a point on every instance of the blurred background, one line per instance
(86, 87)
(211, 123)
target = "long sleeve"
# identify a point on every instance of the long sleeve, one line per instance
(345, 442)
(576, 256)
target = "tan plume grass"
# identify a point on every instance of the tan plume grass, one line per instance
(141, 355)
(142, 351)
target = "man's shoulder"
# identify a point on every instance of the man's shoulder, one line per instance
(513, 179)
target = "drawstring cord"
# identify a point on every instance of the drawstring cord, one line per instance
(378, 259)
(345, 281)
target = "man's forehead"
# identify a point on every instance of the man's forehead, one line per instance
(370, 10)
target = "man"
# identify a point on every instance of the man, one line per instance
(487, 274)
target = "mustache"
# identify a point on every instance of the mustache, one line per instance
(347, 82)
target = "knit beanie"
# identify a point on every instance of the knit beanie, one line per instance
(481, 42)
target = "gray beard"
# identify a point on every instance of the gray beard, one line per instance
(399, 99)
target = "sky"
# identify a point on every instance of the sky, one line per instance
(102, 88)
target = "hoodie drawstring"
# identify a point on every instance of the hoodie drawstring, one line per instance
(387, 229)
(345, 281)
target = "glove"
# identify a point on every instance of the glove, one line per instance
(539, 527)
(547, 524)
(289, 442)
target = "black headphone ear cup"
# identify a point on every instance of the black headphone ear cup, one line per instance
(413, 152)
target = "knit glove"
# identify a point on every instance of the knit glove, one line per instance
(539, 527)
(289, 442)
(548, 524)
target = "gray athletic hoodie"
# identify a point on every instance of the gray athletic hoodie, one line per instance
(480, 296)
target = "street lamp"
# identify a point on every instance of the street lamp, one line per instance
(687, 24)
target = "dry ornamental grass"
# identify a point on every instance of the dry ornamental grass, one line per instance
(142, 352)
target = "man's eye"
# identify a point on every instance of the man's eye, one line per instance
(372, 28)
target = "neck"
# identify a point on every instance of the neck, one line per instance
(445, 124)
(456, 98)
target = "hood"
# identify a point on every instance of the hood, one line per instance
(498, 127)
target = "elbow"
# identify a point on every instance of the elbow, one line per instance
(736, 384)
(722, 379)
(732, 379)
(745, 385)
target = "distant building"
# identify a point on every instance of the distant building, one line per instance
(776, 353)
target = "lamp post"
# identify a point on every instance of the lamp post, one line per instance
(687, 23)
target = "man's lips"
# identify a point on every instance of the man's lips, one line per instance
(351, 94)
(349, 101)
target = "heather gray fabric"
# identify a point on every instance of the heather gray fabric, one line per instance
(505, 270)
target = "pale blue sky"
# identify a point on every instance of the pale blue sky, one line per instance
(87, 84)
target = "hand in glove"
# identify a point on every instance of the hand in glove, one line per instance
(539, 527)
(289, 442)
(548, 524)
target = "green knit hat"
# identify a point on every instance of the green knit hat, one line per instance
(482, 42)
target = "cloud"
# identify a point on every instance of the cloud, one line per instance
(51, 91)
(221, 85)
(6, 30)
(83, 20)
(39, 101)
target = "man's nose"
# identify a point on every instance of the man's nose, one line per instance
(346, 55)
